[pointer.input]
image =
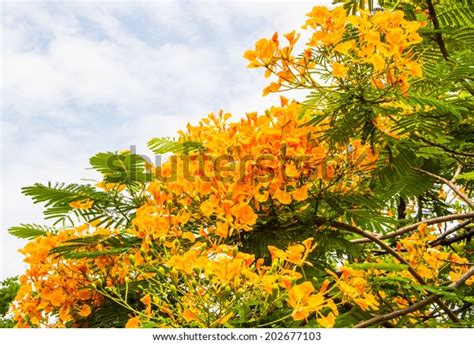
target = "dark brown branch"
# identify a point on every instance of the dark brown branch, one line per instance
(416, 306)
(451, 186)
(438, 36)
(450, 231)
(395, 254)
(449, 241)
(443, 147)
(414, 226)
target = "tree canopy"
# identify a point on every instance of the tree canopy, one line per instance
(350, 207)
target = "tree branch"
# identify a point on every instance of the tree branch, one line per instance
(438, 36)
(450, 231)
(443, 147)
(451, 186)
(448, 241)
(395, 254)
(414, 226)
(416, 306)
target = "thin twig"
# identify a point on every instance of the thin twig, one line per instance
(392, 252)
(438, 36)
(451, 186)
(458, 171)
(443, 147)
(416, 306)
(448, 241)
(414, 226)
(450, 231)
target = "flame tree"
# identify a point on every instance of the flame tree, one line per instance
(348, 208)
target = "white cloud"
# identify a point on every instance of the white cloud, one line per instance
(83, 77)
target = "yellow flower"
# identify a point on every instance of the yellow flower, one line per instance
(291, 170)
(298, 297)
(189, 236)
(110, 186)
(207, 207)
(378, 62)
(223, 320)
(344, 47)
(414, 68)
(327, 321)
(276, 253)
(339, 70)
(84, 205)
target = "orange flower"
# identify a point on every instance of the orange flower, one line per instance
(291, 170)
(300, 194)
(64, 314)
(244, 214)
(85, 311)
(188, 315)
(147, 302)
(133, 323)
(291, 37)
(282, 196)
(273, 87)
(222, 229)
(84, 205)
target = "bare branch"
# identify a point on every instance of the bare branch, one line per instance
(451, 186)
(438, 36)
(414, 226)
(395, 254)
(450, 231)
(416, 306)
(448, 241)
(446, 149)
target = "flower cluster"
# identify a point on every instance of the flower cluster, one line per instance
(245, 168)
(340, 47)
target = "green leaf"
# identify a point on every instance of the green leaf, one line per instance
(30, 231)
(122, 168)
(466, 175)
(164, 145)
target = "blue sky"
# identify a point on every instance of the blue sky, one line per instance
(83, 77)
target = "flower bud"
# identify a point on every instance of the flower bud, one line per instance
(226, 291)
(176, 244)
(174, 276)
(275, 290)
(173, 290)
(161, 272)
